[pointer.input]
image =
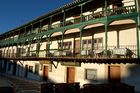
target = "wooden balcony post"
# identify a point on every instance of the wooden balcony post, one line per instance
(38, 48)
(137, 37)
(50, 25)
(106, 8)
(81, 40)
(81, 14)
(40, 27)
(106, 38)
(48, 45)
(64, 17)
(62, 43)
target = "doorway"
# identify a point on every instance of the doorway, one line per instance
(45, 73)
(70, 74)
(114, 74)
(26, 71)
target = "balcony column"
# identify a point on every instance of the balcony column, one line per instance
(38, 48)
(118, 38)
(92, 43)
(24, 30)
(12, 54)
(64, 17)
(39, 31)
(137, 37)
(81, 14)
(81, 45)
(50, 25)
(62, 43)
(31, 28)
(28, 51)
(48, 46)
(106, 29)
(22, 51)
(105, 7)
(106, 38)
(17, 51)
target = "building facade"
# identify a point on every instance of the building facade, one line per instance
(86, 41)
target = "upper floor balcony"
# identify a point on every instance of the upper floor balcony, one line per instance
(119, 11)
(29, 34)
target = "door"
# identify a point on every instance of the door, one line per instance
(70, 75)
(77, 47)
(114, 73)
(45, 73)
(26, 71)
(14, 68)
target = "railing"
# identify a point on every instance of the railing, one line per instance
(112, 52)
(109, 12)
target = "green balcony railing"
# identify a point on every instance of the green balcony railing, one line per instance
(124, 51)
(109, 12)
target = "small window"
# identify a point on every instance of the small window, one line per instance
(91, 74)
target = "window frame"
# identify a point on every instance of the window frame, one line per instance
(86, 74)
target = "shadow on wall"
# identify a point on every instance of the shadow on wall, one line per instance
(133, 76)
(25, 72)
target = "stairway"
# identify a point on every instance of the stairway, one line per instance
(23, 85)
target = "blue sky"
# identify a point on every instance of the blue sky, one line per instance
(14, 13)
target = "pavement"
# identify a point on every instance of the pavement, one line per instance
(4, 82)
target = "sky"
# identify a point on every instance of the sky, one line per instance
(14, 13)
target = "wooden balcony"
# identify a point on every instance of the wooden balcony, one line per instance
(124, 54)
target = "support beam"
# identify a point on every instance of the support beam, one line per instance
(64, 18)
(81, 14)
(38, 48)
(118, 38)
(81, 40)
(48, 46)
(62, 43)
(106, 38)
(137, 37)
(50, 25)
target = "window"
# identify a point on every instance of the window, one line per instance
(36, 68)
(98, 43)
(91, 74)
(87, 44)
(66, 45)
(30, 68)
